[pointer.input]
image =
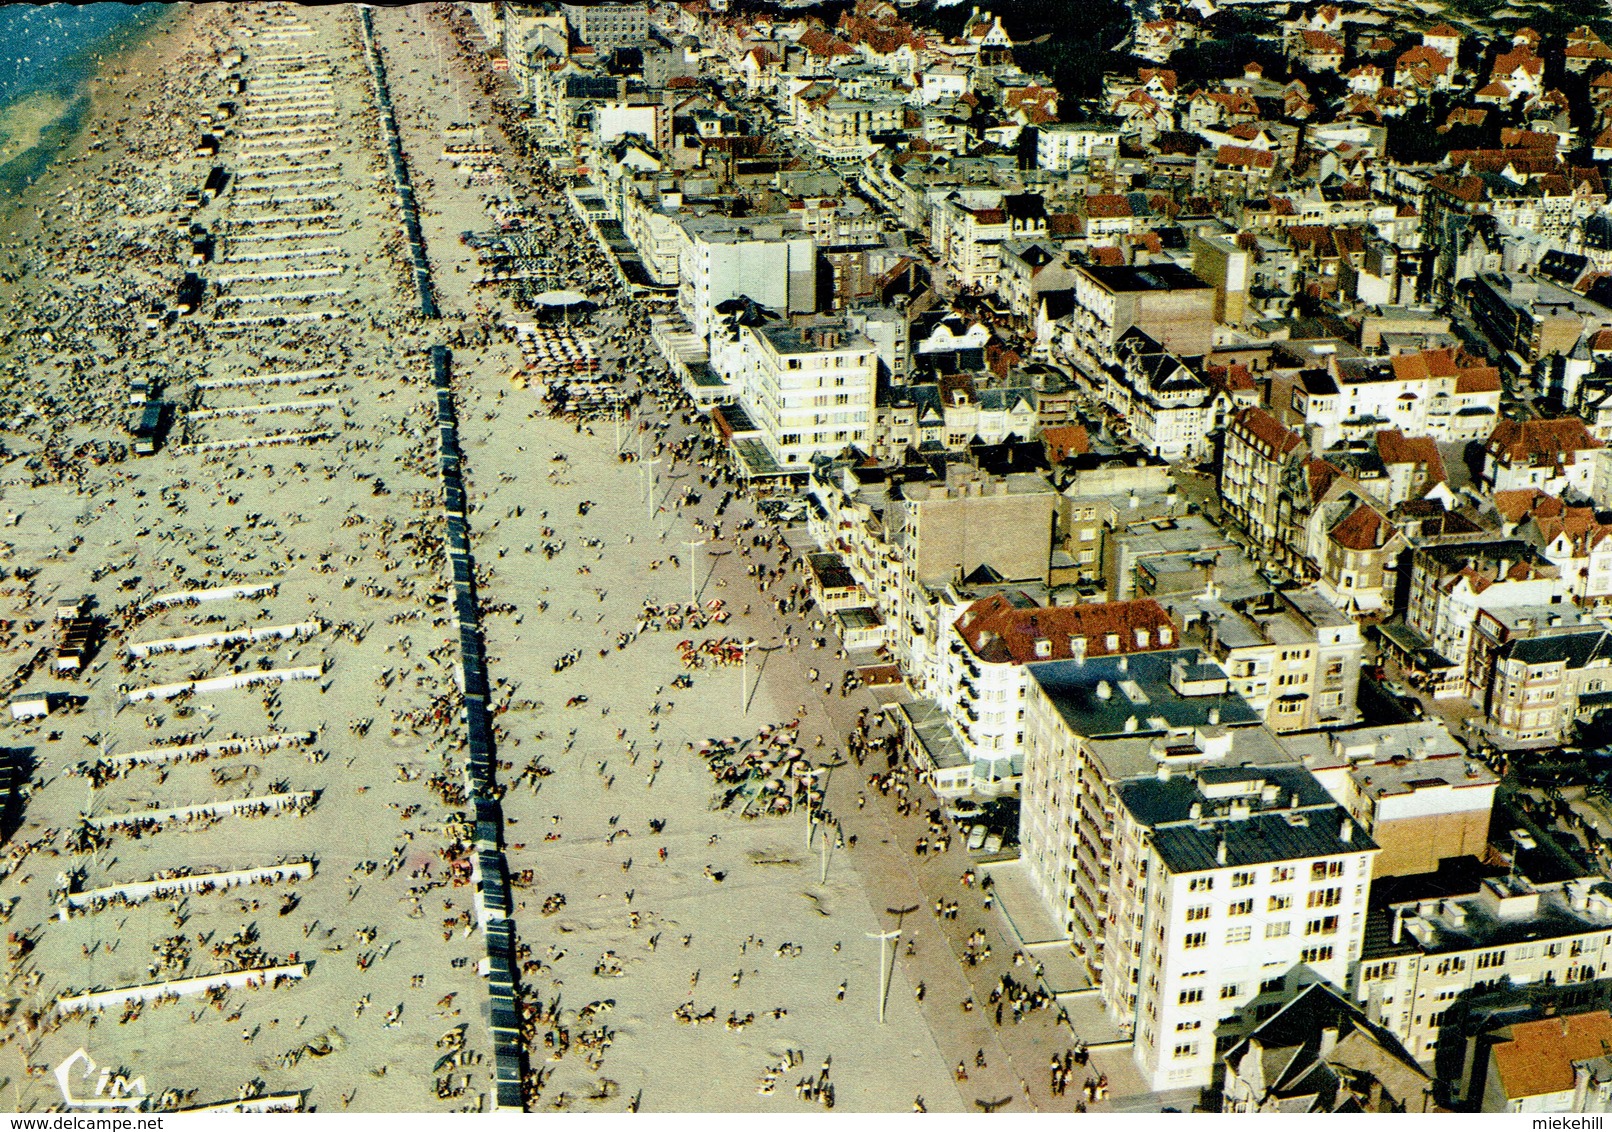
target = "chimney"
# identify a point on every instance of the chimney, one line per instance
(1214, 716)
(1329, 1042)
(1346, 831)
(1220, 851)
(1399, 924)
(1196, 810)
(1103, 690)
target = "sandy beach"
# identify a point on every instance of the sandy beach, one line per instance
(665, 919)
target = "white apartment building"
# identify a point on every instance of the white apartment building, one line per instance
(650, 220)
(809, 388)
(1169, 411)
(1424, 394)
(605, 27)
(1059, 145)
(1433, 952)
(1451, 583)
(1231, 889)
(967, 228)
(989, 648)
(725, 260)
(1091, 726)
(1291, 655)
(1558, 457)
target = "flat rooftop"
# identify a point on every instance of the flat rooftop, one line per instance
(1142, 693)
(1153, 277)
(814, 339)
(1222, 817)
(1123, 757)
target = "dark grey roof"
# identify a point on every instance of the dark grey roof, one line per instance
(1153, 277)
(1317, 382)
(1577, 649)
(1299, 1071)
(1073, 688)
(1457, 555)
(1260, 838)
(1156, 802)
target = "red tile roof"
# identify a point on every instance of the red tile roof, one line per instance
(1540, 1055)
(1001, 631)
(1364, 528)
(1107, 206)
(1062, 441)
(1320, 43)
(1274, 439)
(1244, 157)
(1396, 448)
(1521, 441)
(1516, 505)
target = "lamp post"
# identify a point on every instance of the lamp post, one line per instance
(744, 676)
(693, 585)
(649, 486)
(884, 967)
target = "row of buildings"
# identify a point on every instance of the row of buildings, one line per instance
(1158, 437)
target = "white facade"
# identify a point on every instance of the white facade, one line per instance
(1360, 397)
(809, 389)
(1222, 938)
(612, 120)
(715, 266)
(1441, 950)
(1059, 145)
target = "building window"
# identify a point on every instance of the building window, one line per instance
(1278, 929)
(1230, 990)
(1186, 1049)
(1201, 912)
(1188, 1026)
(1325, 898)
(1279, 903)
(1282, 873)
(1321, 870)
(1315, 954)
(1326, 925)
(1195, 940)
(1200, 884)
(1240, 908)
(1188, 997)
(1273, 986)
(1239, 935)
(1242, 880)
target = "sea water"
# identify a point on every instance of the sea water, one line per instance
(48, 55)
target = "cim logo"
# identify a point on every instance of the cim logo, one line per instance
(111, 1092)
